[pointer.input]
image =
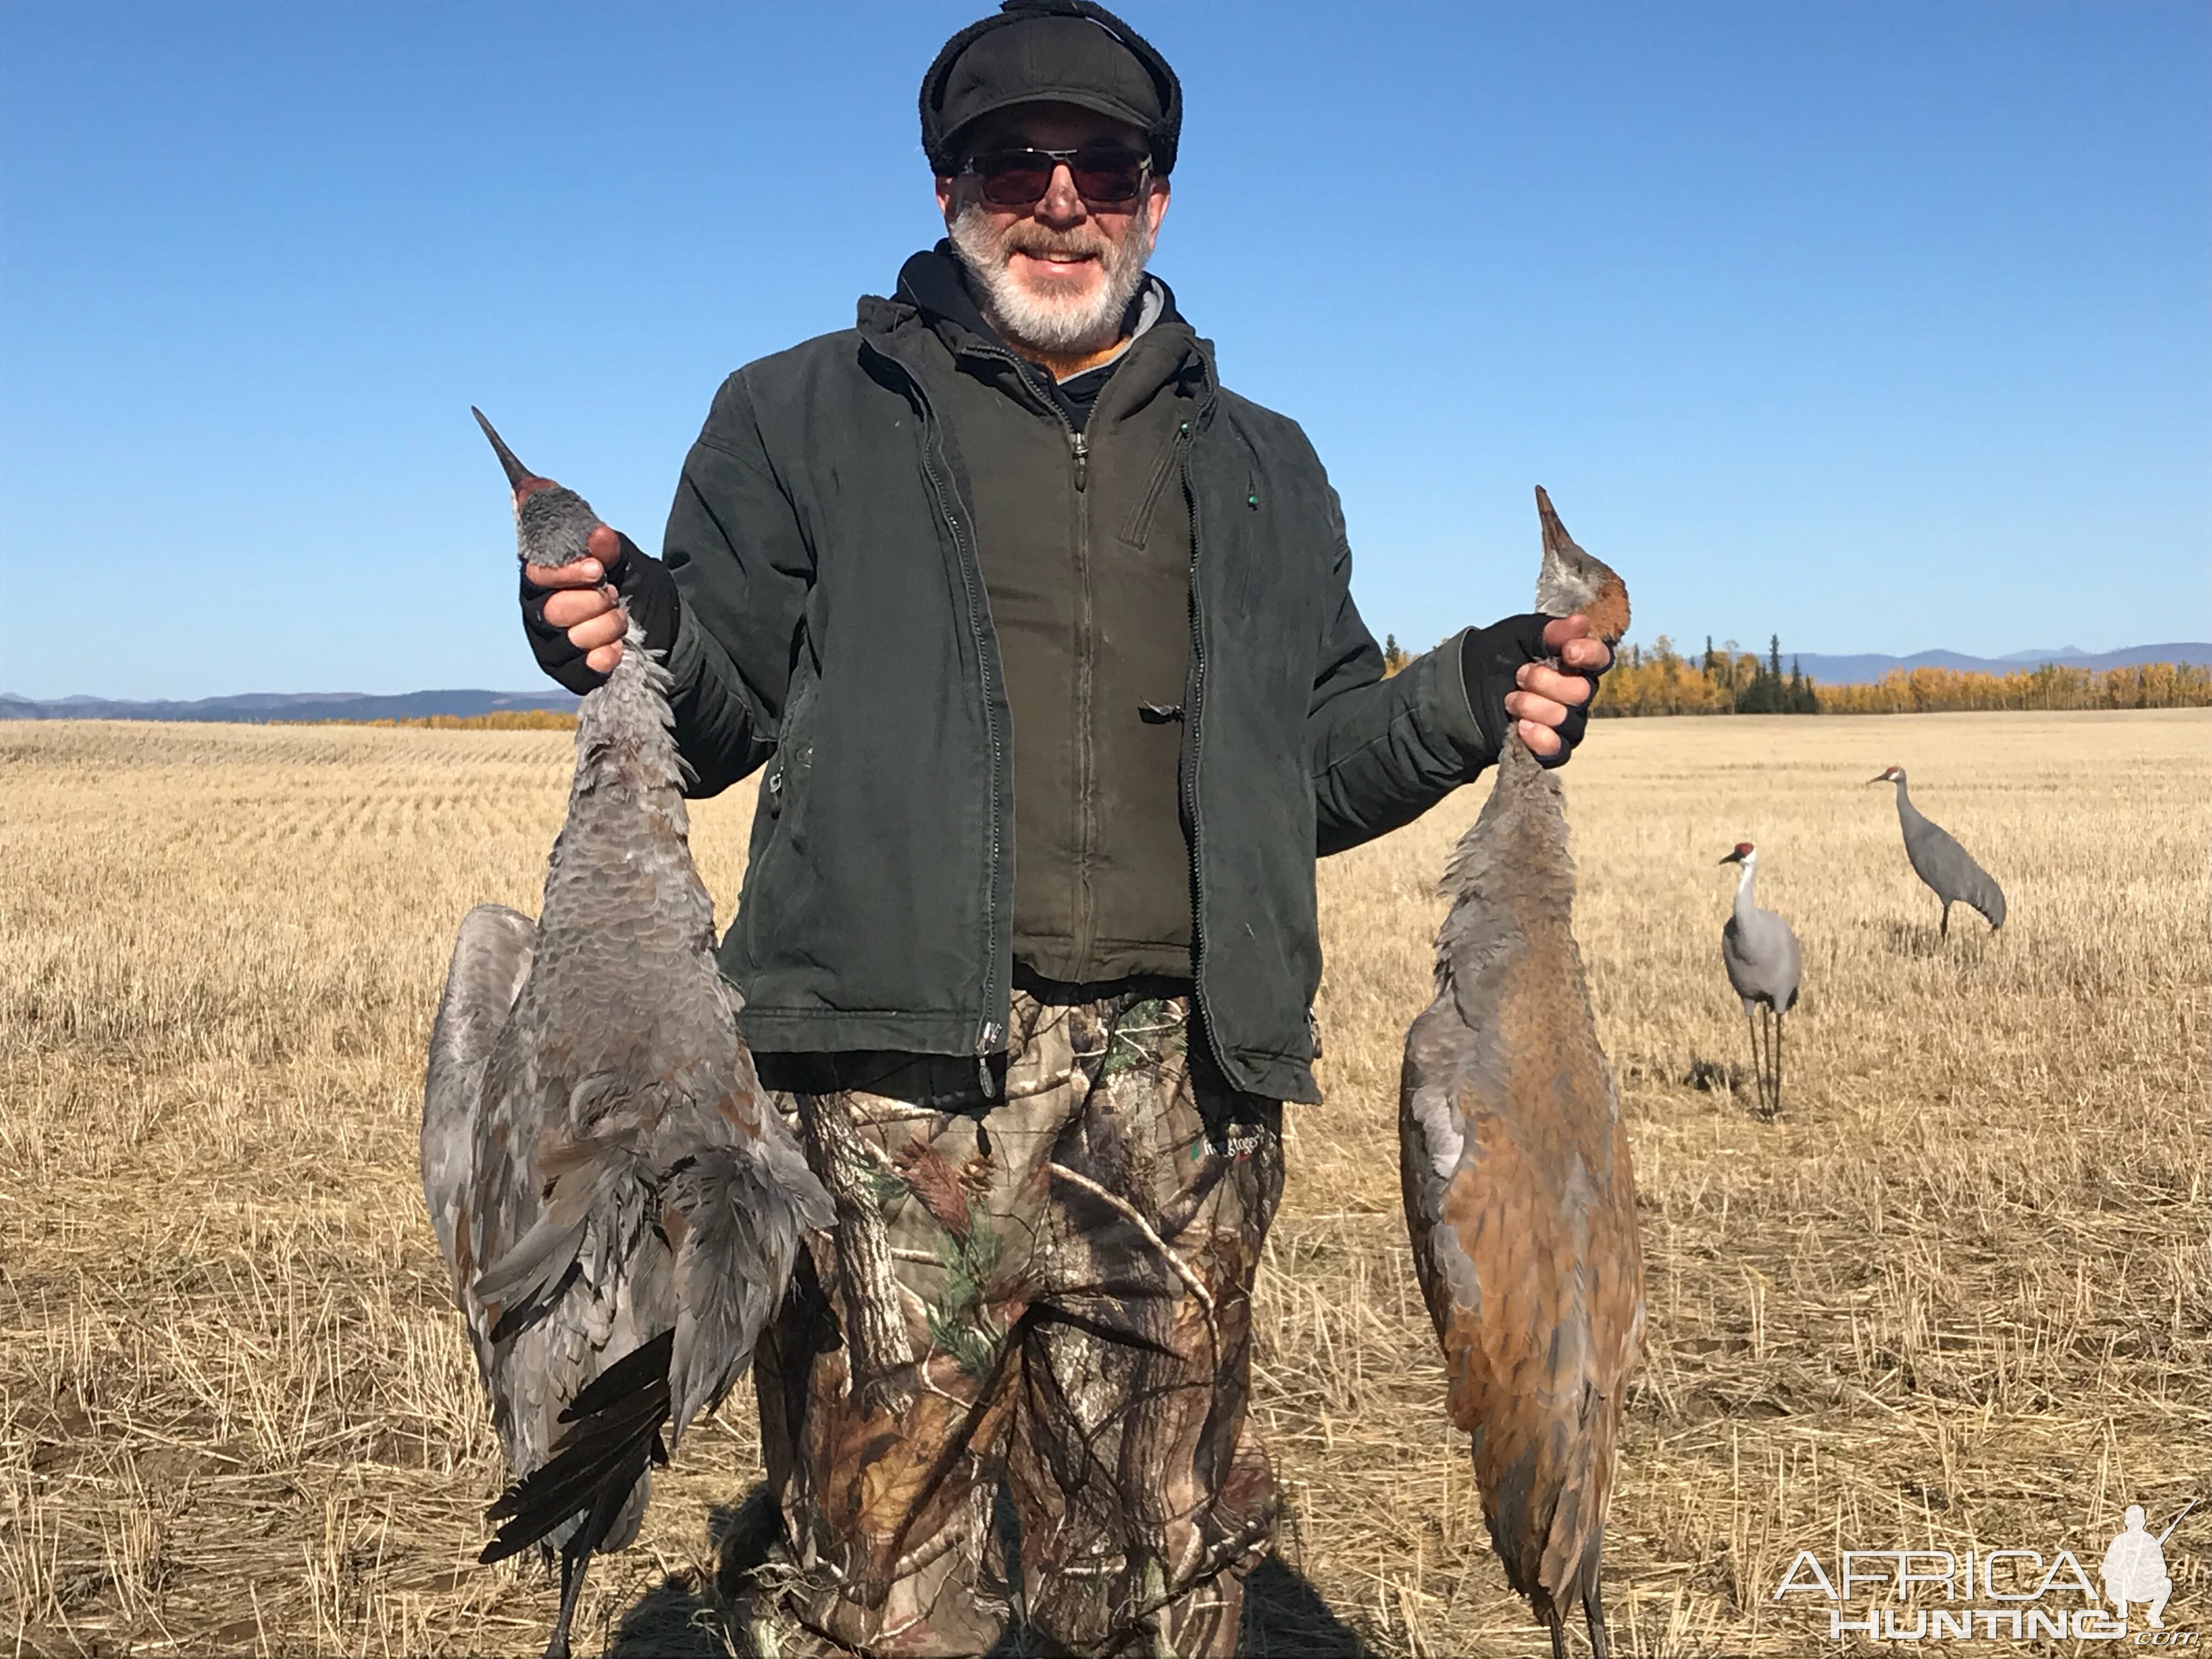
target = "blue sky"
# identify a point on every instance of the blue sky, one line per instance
(1881, 325)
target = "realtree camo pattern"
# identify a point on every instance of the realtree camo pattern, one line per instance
(1050, 1291)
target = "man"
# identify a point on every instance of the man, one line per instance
(1045, 643)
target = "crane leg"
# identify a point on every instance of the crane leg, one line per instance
(1758, 1061)
(592, 1529)
(1777, 1062)
(1558, 1637)
(1762, 1050)
(1944, 930)
(1593, 1616)
(575, 1554)
(1772, 1103)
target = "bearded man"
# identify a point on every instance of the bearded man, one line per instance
(1045, 642)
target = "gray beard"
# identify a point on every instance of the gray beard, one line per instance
(1060, 328)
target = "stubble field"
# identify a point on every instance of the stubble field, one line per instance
(1960, 1295)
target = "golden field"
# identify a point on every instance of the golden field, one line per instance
(1959, 1295)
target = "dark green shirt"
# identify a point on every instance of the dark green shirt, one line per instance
(1083, 533)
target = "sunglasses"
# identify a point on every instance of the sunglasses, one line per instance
(1105, 176)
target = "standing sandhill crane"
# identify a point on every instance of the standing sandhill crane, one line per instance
(1515, 1163)
(1765, 965)
(618, 1203)
(1938, 860)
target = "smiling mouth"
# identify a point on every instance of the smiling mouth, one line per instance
(1057, 257)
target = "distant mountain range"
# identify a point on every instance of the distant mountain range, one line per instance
(255, 708)
(1866, 669)
(258, 708)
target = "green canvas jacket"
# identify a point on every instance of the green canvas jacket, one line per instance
(836, 630)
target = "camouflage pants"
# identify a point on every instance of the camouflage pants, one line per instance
(1046, 1295)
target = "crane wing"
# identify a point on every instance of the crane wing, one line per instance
(735, 1217)
(1537, 1363)
(491, 958)
(1431, 1139)
(1950, 869)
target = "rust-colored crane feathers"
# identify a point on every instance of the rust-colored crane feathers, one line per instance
(1514, 1162)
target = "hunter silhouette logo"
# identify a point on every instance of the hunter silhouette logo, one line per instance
(2135, 1566)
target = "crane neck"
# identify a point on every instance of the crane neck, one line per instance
(1747, 873)
(625, 748)
(1513, 856)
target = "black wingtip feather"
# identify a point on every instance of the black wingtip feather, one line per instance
(640, 1369)
(618, 1417)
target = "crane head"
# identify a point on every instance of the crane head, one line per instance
(1743, 853)
(1572, 583)
(519, 478)
(553, 524)
(1888, 775)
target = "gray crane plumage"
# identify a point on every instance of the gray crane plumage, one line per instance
(1938, 860)
(1514, 1162)
(1765, 965)
(619, 1202)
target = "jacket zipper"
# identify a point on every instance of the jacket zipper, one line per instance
(1194, 707)
(1086, 761)
(988, 1033)
(1078, 453)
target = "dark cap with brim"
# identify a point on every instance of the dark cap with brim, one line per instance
(1050, 52)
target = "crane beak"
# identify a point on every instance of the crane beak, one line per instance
(518, 476)
(1882, 778)
(1732, 858)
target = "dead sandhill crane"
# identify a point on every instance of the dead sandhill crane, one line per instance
(618, 1203)
(1518, 1192)
(1765, 965)
(1938, 860)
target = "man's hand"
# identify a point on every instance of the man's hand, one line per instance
(575, 613)
(580, 602)
(1507, 679)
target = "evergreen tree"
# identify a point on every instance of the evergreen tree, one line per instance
(1803, 700)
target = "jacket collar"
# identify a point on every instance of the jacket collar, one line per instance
(933, 299)
(933, 282)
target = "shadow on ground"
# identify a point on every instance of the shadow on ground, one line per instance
(1284, 1616)
(1919, 941)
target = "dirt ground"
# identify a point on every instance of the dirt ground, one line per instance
(1958, 1297)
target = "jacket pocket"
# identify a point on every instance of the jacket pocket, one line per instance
(1140, 525)
(794, 745)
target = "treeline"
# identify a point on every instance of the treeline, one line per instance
(2053, 686)
(1657, 679)
(502, 720)
(1660, 680)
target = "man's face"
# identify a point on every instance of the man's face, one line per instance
(1057, 273)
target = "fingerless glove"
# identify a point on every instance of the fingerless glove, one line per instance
(1492, 657)
(648, 594)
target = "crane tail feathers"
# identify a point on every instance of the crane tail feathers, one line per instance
(746, 1213)
(614, 1438)
(745, 1210)
(522, 1280)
